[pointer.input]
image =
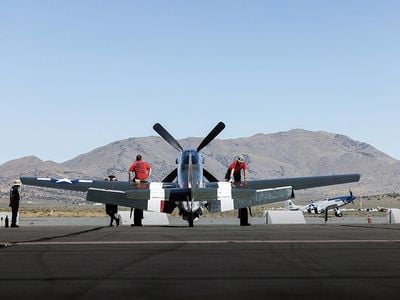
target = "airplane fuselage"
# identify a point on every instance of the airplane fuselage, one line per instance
(190, 175)
(190, 169)
(331, 203)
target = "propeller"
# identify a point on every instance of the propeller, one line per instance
(171, 176)
(213, 133)
(167, 137)
(209, 176)
(351, 197)
(174, 143)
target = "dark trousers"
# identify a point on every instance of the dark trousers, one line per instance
(111, 210)
(137, 217)
(236, 176)
(243, 216)
(14, 213)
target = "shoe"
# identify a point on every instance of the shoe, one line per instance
(14, 225)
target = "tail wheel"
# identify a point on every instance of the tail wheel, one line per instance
(190, 219)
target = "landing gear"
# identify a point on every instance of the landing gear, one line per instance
(338, 213)
(243, 216)
(190, 219)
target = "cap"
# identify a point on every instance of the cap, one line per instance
(17, 182)
(111, 178)
(138, 157)
(240, 158)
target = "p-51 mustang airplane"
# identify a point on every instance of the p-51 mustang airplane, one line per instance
(190, 192)
(319, 207)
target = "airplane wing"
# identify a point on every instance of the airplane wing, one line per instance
(160, 199)
(300, 183)
(297, 183)
(80, 185)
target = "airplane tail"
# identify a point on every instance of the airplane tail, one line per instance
(289, 205)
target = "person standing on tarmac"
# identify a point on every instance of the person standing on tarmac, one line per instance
(142, 172)
(112, 209)
(233, 174)
(14, 202)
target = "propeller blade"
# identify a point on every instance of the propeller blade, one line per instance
(351, 197)
(171, 176)
(209, 176)
(213, 133)
(167, 137)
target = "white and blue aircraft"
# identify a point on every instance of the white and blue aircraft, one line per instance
(319, 207)
(185, 187)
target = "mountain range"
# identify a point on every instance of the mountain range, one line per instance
(283, 154)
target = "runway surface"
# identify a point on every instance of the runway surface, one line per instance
(204, 262)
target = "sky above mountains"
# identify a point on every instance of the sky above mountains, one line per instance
(77, 75)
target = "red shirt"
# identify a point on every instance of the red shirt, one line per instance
(140, 168)
(238, 166)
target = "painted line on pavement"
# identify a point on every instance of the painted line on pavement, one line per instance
(206, 242)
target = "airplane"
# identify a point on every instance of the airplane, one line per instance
(319, 207)
(185, 188)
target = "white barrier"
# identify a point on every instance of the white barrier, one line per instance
(394, 216)
(149, 218)
(284, 217)
(3, 218)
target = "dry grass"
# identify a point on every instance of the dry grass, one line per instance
(62, 210)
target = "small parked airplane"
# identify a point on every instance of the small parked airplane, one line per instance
(319, 207)
(190, 192)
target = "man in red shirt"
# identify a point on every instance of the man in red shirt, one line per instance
(234, 174)
(142, 172)
(141, 169)
(234, 170)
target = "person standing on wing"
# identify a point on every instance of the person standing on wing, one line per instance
(235, 168)
(141, 169)
(233, 174)
(142, 172)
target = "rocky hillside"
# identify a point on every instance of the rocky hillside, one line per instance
(283, 154)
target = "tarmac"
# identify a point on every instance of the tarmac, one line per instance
(208, 261)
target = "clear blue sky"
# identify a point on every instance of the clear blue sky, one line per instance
(76, 75)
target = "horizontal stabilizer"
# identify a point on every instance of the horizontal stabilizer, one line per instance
(151, 199)
(224, 198)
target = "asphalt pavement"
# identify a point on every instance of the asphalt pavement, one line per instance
(204, 262)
